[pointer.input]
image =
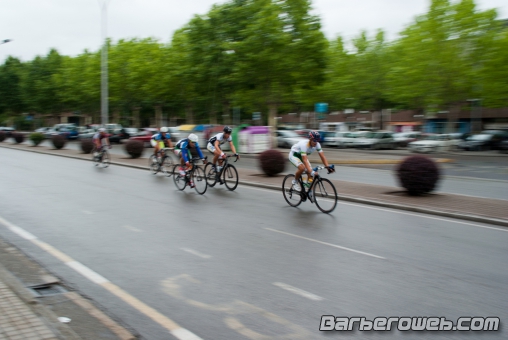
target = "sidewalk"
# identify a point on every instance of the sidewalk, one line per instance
(470, 208)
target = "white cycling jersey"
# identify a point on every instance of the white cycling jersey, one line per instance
(219, 137)
(303, 148)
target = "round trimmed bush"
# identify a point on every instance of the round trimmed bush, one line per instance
(272, 162)
(36, 138)
(58, 141)
(418, 174)
(87, 145)
(18, 137)
(2, 136)
(134, 148)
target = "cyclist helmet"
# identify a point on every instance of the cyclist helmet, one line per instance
(227, 129)
(102, 130)
(193, 138)
(314, 136)
(164, 129)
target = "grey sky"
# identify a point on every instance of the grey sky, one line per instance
(71, 26)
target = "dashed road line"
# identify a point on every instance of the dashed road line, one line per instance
(197, 253)
(298, 291)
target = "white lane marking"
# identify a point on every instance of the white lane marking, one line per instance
(17, 230)
(197, 253)
(298, 291)
(170, 325)
(393, 210)
(87, 272)
(88, 212)
(132, 228)
(183, 334)
(328, 244)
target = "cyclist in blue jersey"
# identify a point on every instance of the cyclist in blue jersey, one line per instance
(160, 140)
(183, 150)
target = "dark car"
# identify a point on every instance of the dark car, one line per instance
(482, 141)
(7, 130)
(123, 133)
(503, 147)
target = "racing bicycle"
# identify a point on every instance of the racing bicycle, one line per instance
(163, 162)
(101, 157)
(321, 191)
(227, 175)
(195, 175)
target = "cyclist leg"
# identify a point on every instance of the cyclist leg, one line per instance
(300, 168)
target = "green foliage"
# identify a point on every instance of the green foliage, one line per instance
(270, 56)
(36, 138)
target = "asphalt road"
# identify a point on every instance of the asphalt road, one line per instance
(243, 264)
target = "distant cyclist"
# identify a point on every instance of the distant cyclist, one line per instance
(298, 157)
(98, 139)
(216, 141)
(160, 140)
(184, 148)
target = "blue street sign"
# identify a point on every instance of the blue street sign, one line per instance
(321, 107)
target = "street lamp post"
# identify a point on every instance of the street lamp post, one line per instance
(104, 64)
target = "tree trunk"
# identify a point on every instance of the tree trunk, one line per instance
(135, 117)
(158, 115)
(189, 114)
(226, 115)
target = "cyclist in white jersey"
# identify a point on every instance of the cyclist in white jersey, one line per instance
(298, 157)
(216, 141)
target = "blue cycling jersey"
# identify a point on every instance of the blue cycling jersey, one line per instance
(183, 144)
(160, 136)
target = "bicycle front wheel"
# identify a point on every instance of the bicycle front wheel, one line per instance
(325, 195)
(199, 178)
(291, 196)
(180, 181)
(105, 159)
(231, 177)
(210, 174)
(168, 164)
(153, 165)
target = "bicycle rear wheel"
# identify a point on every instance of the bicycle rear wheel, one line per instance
(325, 195)
(199, 178)
(105, 159)
(180, 181)
(230, 177)
(168, 164)
(210, 174)
(291, 196)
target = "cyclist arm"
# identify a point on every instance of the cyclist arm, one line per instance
(200, 153)
(233, 148)
(323, 159)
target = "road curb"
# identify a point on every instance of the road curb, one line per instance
(412, 208)
(384, 204)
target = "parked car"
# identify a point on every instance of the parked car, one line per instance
(8, 130)
(113, 129)
(432, 143)
(339, 139)
(402, 139)
(482, 141)
(123, 133)
(287, 138)
(354, 138)
(503, 147)
(376, 140)
(145, 135)
(87, 133)
(176, 135)
(42, 129)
